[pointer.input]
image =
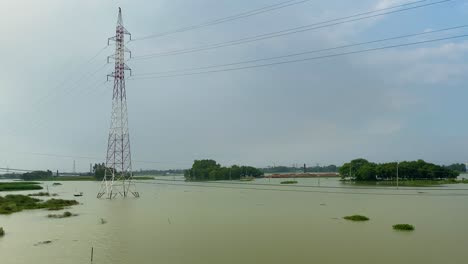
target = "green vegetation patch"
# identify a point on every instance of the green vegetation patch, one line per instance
(403, 227)
(64, 215)
(143, 178)
(56, 183)
(43, 194)
(363, 170)
(17, 203)
(19, 186)
(68, 178)
(210, 170)
(358, 218)
(288, 182)
(2, 232)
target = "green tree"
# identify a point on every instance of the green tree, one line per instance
(99, 170)
(362, 170)
(460, 167)
(36, 175)
(203, 170)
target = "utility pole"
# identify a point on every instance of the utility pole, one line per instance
(230, 169)
(118, 176)
(318, 176)
(397, 167)
(74, 167)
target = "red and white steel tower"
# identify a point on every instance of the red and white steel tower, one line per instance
(118, 171)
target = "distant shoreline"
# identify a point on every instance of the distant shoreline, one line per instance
(303, 175)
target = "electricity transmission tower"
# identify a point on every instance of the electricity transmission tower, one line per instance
(118, 174)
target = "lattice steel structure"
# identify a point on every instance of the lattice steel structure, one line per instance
(118, 168)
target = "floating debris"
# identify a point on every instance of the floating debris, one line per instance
(43, 243)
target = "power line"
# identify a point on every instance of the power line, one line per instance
(227, 19)
(38, 104)
(303, 191)
(305, 52)
(306, 59)
(314, 26)
(326, 187)
(19, 170)
(38, 123)
(96, 158)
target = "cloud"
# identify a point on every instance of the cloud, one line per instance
(326, 111)
(442, 63)
(389, 3)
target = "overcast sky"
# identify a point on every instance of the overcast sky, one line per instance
(396, 104)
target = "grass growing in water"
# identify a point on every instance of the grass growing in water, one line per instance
(143, 178)
(42, 194)
(356, 218)
(19, 186)
(56, 183)
(403, 227)
(64, 215)
(16, 203)
(288, 182)
(2, 232)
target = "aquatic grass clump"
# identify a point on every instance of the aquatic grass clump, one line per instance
(19, 186)
(403, 227)
(16, 203)
(288, 182)
(42, 194)
(56, 183)
(64, 215)
(358, 218)
(2, 232)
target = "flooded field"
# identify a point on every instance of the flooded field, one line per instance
(248, 222)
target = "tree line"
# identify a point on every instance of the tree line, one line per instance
(363, 170)
(209, 170)
(159, 172)
(460, 167)
(286, 169)
(37, 175)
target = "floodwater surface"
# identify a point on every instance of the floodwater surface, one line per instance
(249, 222)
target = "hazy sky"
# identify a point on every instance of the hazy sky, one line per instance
(396, 104)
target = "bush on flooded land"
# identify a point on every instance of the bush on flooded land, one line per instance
(403, 227)
(363, 170)
(19, 186)
(43, 194)
(288, 182)
(356, 218)
(64, 215)
(16, 203)
(2, 232)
